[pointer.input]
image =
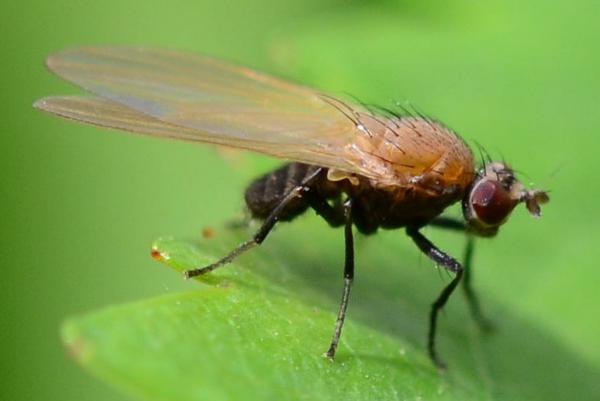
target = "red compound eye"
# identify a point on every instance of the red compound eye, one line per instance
(491, 202)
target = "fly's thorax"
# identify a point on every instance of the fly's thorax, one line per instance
(492, 197)
(412, 151)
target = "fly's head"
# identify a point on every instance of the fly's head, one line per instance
(493, 195)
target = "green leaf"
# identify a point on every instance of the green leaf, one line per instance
(259, 334)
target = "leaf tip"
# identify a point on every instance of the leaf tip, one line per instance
(156, 254)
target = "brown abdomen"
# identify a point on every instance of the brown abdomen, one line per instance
(265, 193)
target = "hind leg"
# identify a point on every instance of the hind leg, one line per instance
(297, 199)
(297, 193)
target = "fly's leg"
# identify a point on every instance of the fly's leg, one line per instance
(452, 265)
(348, 279)
(449, 223)
(472, 298)
(335, 215)
(467, 283)
(297, 192)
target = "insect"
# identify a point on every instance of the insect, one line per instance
(356, 166)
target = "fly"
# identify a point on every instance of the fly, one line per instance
(355, 165)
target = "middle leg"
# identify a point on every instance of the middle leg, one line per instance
(348, 279)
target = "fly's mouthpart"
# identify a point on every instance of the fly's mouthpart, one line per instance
(533, 198)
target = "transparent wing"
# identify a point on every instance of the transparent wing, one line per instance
(106, 113)
(192, 97)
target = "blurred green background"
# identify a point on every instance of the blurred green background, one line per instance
(81, 205)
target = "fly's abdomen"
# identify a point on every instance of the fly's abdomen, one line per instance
(265, 193)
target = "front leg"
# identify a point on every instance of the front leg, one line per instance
(448, 262)
(470, 294)
(484, 323)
